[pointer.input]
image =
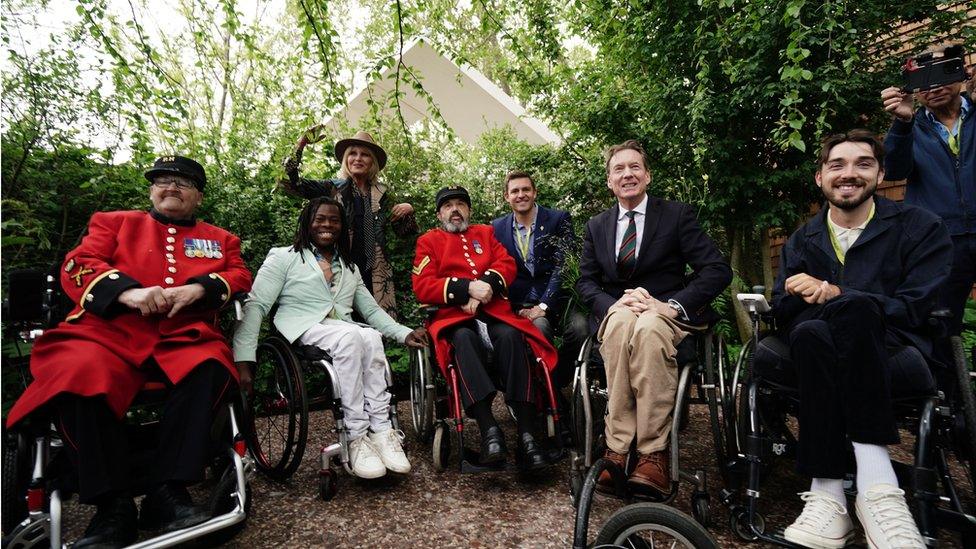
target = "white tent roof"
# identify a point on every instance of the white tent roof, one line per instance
(469, 103)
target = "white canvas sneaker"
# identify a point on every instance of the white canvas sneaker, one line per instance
(389, 446)
(364, 460)
(887, 522)
(823, 524)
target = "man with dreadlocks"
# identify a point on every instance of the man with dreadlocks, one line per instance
(318, 287)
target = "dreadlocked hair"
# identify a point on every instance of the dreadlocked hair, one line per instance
(303, 232)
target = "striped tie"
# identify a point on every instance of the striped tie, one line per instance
(627, 258)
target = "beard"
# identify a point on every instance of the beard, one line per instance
(847, 204)
(455, 226)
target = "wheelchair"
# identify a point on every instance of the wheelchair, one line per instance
(647, 525)
(276, 418)
(937, 414)
(37, 479)
(436, 409)
(702, 371)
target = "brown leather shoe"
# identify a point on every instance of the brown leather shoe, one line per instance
(653, 473)
(605, 484)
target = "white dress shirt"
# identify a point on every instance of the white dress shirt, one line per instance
(623, 221)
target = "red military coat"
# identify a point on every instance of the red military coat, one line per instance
(102, 347)
(444, 265)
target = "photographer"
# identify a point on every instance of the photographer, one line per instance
(934, 148)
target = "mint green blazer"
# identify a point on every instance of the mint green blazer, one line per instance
(304, 299)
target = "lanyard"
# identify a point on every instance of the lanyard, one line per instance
(524, 244)
(953, 141)
(838, 251)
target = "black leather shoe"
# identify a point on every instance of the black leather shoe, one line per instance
(169, 507)
(493, 448)
(531, 456)
(114, 525)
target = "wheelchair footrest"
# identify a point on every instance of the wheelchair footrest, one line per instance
(471, 463)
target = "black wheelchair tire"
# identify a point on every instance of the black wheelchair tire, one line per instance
(16, 477)
(222, 501)
(598, 407)
(422, 396)
(290, 386)
(328, 484)
(967, 407)
(629, 520)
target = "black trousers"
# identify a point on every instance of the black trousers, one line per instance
(510, 363)
(98, 446)
(841, 356)
(956, 290)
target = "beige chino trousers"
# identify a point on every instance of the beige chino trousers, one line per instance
(639, 354)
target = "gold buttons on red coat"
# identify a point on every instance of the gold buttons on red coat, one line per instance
(170, 239)
(170, 248)
(171, 269)
(113, 276)
(171, 230)
(168, 280)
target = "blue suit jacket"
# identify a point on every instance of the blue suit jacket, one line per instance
(553, 239)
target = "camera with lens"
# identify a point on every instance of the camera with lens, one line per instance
(934, 69)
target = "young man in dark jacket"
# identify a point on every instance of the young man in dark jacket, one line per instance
(857, 281)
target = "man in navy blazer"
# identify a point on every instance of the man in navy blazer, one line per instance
(633, 279)
(538, 238)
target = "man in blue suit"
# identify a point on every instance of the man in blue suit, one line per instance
(538, 239)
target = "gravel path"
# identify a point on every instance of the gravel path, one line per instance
(428, 509)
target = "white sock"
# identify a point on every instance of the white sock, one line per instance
(873, 466)
(833, 487)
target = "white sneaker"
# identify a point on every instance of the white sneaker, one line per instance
(823, 524)
(887, 522)
(364, 460)
(389, 446)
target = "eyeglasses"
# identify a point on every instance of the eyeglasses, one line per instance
(179, 182)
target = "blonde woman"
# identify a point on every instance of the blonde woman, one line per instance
(368, 206)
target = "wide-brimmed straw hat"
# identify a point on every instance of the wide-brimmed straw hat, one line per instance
(362, 139)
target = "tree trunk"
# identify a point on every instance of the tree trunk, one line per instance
(767, 263)
(738, 267)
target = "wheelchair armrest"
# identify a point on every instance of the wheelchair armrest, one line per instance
(429, 311)
(238, 299)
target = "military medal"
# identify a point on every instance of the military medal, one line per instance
(197, 248)
(217, 253)
(208, 248)
(188, 247)
(477, 247)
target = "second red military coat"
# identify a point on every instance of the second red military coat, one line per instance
(444, 265)
(103, 346)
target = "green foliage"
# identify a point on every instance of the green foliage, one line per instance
(730, 98)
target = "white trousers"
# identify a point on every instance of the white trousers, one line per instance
(360, 363)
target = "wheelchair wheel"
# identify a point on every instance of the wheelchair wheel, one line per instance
(739, 523)
(328, 484)
(277, 422)
(222, 500)
(647, 525)
(967, 407)
(598, 409)
(16, 477)
(701, 508)
(441, 447)
(422, 394)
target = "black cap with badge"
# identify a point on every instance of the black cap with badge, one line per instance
(179, 165)
(453, 191)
